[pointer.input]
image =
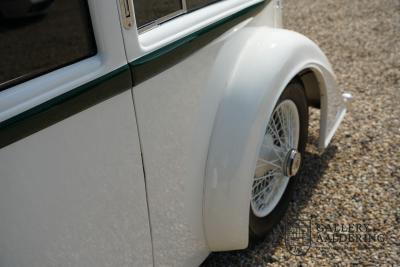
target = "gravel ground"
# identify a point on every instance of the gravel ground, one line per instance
(357, 179)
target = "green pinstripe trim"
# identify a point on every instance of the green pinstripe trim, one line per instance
(168, 48)
(65, 105)
(62, 98)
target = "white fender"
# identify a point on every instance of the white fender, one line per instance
(253, 69)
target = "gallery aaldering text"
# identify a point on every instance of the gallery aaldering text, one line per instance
(338, 233)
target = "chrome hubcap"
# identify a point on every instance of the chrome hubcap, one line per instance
(278, 159)
(292, 163)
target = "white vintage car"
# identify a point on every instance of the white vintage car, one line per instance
(150, 133)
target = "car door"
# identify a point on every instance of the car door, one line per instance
(172, 47)
(72, 189)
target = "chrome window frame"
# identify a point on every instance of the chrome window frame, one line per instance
(158, 21)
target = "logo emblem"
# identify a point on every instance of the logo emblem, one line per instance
(298, 237)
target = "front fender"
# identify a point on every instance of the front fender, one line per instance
(253, 68)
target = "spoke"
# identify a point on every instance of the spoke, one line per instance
(271, 174)
(275, 149)
(289, 129)
(260, 182)
(286, 114)
(277, 132)
(274, 129)
(267, 179)
(289, 126)
(278, 149)
(283, 124)
(266, 162)
(261, 193)
(277, 152)
(259, 201)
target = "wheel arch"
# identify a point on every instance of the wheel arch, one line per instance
(311, 86)
(253, 68)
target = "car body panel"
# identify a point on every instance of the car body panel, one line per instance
(190, 117)
(74, 194)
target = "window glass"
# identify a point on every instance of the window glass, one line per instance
(38, 36)
(196, 4)
(147, 11)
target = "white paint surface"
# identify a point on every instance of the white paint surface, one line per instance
(74, 195)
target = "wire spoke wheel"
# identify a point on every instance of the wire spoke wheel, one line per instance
(278, 158)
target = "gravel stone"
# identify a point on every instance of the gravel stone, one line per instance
(357, 179)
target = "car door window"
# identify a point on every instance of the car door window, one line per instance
(148, 11)
(40, 36)
(196, 4)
